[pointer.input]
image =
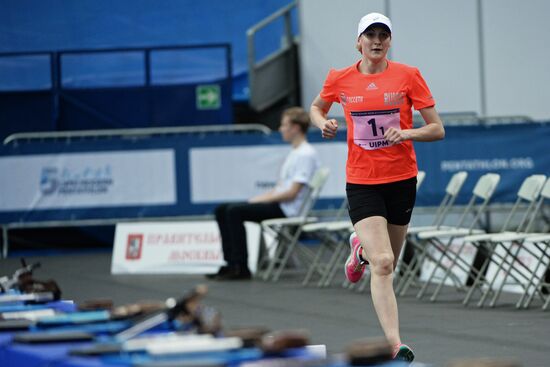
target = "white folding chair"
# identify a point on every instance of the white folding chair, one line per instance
(534, 282)
(534, 191)
(410, 270)
(287, 231)
(538, 279)
(420, 179)
(331, 235)
(440, 241)
(527, 194)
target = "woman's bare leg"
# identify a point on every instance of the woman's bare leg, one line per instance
(377, 249)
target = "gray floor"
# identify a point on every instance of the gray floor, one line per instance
(439, 332)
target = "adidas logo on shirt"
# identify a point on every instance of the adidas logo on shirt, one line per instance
(372, 86)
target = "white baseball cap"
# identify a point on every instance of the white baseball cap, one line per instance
(373, 18)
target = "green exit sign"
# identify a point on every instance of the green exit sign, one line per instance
(208, 97)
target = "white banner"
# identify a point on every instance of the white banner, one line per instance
(174, 247)
(238, 173)
(84, 180)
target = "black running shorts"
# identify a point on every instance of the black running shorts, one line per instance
(393, 201)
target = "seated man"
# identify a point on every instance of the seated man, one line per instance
(285, 200)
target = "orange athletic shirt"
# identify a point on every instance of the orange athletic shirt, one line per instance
(373, 103)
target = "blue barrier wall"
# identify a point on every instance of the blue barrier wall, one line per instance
(44, 26)
(37, 25)
(513, 151)
(120, 88)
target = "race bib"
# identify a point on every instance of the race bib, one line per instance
(369, 127)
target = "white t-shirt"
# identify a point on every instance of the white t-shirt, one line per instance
(299, 166)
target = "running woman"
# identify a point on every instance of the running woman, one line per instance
(377, 96)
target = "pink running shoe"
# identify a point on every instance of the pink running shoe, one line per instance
(403, 352)
(355, 267)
